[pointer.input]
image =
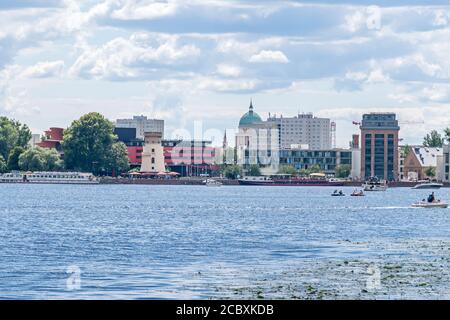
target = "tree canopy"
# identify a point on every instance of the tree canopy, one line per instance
(232, 171)
(13, 159)
(343, 171)
(12, 134)
(313, 169)
(3, 167)
(40, 159)
(90, 145)
(254, 171)
(433, 140)
(290, 170)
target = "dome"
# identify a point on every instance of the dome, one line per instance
(250, 117)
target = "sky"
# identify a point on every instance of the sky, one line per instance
(201, 61)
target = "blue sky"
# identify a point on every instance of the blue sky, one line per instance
(203, 60)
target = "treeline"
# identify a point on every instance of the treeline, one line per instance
(89, 145)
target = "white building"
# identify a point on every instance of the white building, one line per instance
(445, 164)
(142, 125)
(304, 129)
(35, 139)
(257, 142)
(153, 153)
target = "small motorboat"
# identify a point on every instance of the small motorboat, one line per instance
(212, 183)
(425, 204)
(358, 194)
(338, 194)
(429, 185)
(375, 184)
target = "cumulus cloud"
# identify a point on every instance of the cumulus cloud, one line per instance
(134, 57)
(267, 56)
(44, 69)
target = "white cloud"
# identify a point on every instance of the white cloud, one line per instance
(267, 56)
(44, 69)
(134, 57)
(228, 70)
(145, 9)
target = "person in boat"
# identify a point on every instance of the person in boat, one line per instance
(431, 198)
(341, 193)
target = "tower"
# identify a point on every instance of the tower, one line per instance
(153, 154)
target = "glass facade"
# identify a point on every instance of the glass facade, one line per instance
(326, 159)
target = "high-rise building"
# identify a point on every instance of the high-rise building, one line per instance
(304, 129)
(142, 125)
(379, 146)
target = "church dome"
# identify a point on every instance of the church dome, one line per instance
(250, 117)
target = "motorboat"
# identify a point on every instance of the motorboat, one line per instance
(425, 204)
(338, 194)
(428, 185)
(212, 183)
(358, 193)
(375, 184)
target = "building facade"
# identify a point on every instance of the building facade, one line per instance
(257, 143)
(419, 160)
(445, 165)
(153, 154)
(304, 129)
(142, 125)
(379, 146)
(327, 160)
(355, 173)
(53, 139)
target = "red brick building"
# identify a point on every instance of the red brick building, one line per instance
(52, 139)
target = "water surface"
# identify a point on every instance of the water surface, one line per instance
(151, 242)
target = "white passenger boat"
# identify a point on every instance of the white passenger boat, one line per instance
(49, 178)
(429, 185)
(375, 184)
(424, 204)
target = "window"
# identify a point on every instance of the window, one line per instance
(153, 160)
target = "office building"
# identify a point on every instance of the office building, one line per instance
(379, 146)
(142, 125)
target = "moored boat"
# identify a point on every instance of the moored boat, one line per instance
(428, 185)
(212, 183)
(49, 178)
(375, 184)
(289, 181)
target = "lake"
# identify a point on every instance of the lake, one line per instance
(196, 242)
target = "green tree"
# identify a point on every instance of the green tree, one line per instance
(430, 172)
(313, 169)
(433, 140)
(289, 170)
(405, 150)
(12, 134)
(254, 171)
(40, 159)
(343, 171)
(118, 158)
(88, 143)
(3, 167)
(13, 159)
(447, 134)
(232, 171)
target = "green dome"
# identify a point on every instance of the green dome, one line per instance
(250, 117)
